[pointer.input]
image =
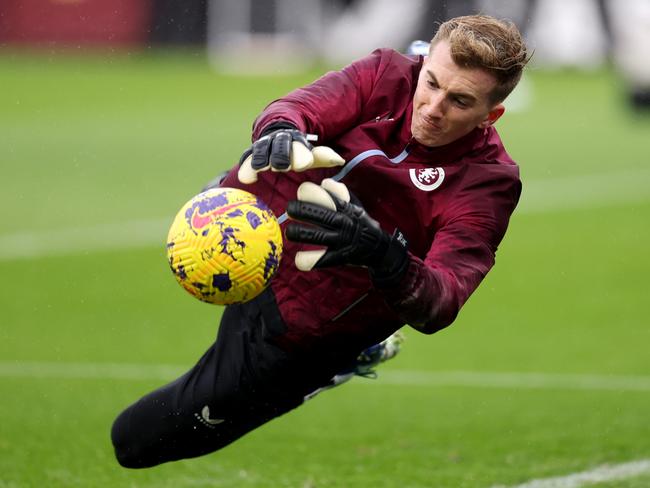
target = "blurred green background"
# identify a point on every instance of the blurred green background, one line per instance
(546, 371)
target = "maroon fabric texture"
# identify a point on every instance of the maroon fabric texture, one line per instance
(454, 222)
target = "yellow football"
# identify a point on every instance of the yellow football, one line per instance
(224, 246)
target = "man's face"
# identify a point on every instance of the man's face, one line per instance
(449, 100)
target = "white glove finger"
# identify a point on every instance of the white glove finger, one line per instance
(326, 157)
(306, 260)
(337, 188)
(313, 193)
(246, 174)
(301, 157)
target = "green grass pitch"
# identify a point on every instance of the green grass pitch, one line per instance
(545, 373)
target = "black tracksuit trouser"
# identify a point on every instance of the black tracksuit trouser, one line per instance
(242, 381)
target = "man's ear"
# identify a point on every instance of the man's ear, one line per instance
(492, 116)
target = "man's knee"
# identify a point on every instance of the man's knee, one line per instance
(129, 451)
(143, 437)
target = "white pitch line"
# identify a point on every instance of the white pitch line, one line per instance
(484, 379)
(102, 371)
(585, 191)
(472, 379)
(548, 195)
(600, 474)
(128, 234)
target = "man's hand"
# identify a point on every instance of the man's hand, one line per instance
(284, 150)
(350, 235)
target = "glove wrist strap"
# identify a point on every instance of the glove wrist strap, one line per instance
(394, 264)
(277, 125)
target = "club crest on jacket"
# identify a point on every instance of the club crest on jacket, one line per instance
(427, 179)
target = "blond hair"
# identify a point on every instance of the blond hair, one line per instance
(484, 42)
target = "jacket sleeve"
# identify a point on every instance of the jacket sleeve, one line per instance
(430, 294)
(330, 105)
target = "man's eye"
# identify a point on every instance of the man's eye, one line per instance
(432, 84)
(460, 102)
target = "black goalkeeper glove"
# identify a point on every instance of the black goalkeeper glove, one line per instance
(350, 235)
(282, 147)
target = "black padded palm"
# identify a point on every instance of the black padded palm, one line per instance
(349, 233)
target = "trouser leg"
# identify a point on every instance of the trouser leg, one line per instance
(240, 383)
(168, 425)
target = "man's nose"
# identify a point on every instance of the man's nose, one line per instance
(435, 107)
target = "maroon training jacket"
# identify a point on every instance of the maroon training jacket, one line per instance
(452, 203)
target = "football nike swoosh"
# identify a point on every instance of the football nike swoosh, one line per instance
(205, 413)
(201, 220)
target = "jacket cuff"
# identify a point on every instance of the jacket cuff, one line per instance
(394, 264)
(277, 125)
